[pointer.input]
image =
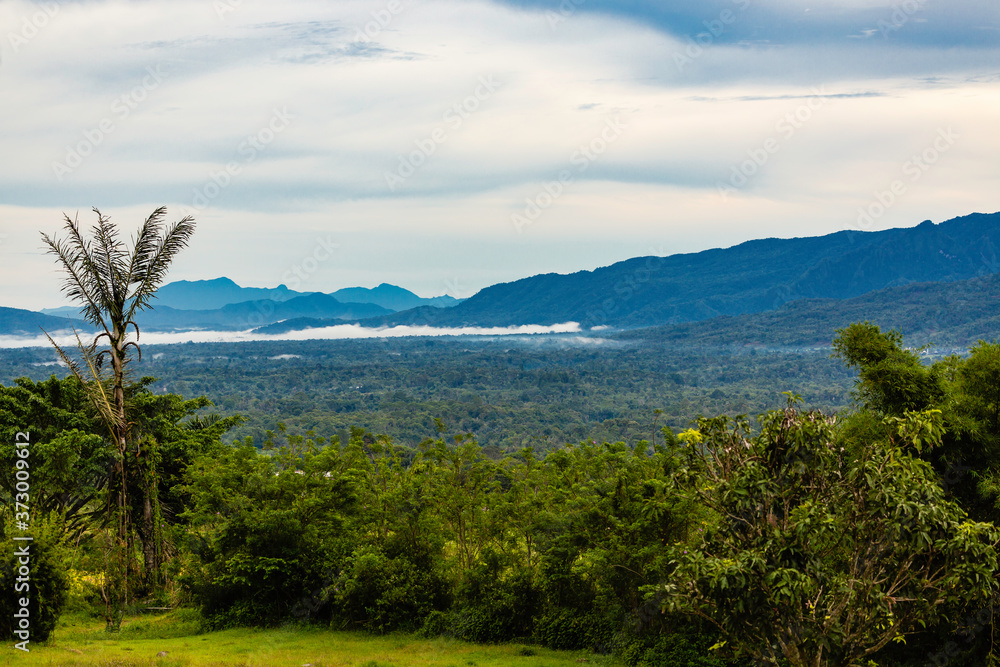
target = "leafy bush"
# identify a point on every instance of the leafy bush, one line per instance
(683, 648)
(379, 593)
(495, 607)
(45, 585)
(275, 530)
(568, 629)
(436, 624)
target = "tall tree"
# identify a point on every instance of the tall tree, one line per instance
(113, 283)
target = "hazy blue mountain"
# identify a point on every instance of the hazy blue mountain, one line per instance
(755, 276)
(253, 314)
(950, 314)
(220, 292)
(213, 294)
(391, 297)
(72, 312)
(18, 322)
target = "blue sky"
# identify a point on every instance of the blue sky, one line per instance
(445, 146)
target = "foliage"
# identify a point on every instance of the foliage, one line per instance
(577, 546)
(45, 585)
(509, 394)
(265, 529)
(70, 459)
(377, 593)
(834, 556)
(686, 645)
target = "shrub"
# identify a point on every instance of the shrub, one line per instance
(46, 587)
(568, 629)
(436, 624)
(379, 593)
(496, 606)
(678, 649)
(260, 572)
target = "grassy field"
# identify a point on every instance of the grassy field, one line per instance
(171, 640)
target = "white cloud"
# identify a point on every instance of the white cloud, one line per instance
(340, 332)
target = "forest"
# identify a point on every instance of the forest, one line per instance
(509, 393)
(800, 537)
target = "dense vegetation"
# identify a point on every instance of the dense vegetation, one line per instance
(941, 315)
(798, 538)
(509, 393)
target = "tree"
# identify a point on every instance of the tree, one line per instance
(820, 554)
(892, 380)
(113, 283)
(69, 459)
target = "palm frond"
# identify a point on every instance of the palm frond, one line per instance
(82, 283)
(95, 385)
(111, 263)
(144, 246)
(151, 273)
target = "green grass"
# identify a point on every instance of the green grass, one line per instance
(81, 641)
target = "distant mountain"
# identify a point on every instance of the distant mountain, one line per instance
(220, 292)
(71, 312)
(253, 314)
(752, 277)
(944, 314)
(213, 294)
(17, 322)
(222, 304)
(392, 297)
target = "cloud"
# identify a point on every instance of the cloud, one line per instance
(787, 22)
(339, 332)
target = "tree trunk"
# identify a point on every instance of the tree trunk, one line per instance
(149, 550)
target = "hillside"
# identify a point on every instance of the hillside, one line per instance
(752, 277)
(18, 322)
(944, 314)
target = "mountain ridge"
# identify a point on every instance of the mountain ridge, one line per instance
(20, 322)
(252, 314)
(755, 276)
(954, 314)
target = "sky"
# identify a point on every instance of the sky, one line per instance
(445, 146)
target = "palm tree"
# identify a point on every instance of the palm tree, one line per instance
(113, 284)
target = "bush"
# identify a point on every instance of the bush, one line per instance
(568, 629)
(378, 593)
(436, 624)
(263, 570)
(675, 649)
(495, 606)
(46, 586)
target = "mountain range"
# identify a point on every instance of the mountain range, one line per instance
(18, 322)
(205, 295)
(752, 277)
(844, 274)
